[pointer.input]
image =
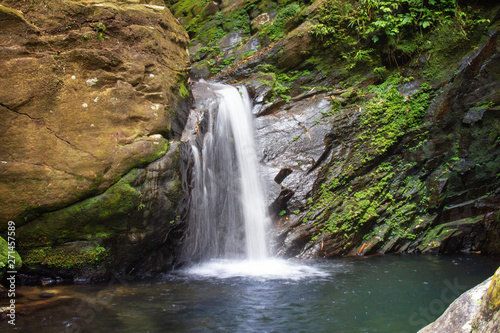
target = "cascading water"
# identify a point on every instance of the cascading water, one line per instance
(225, 211)
(227, 215)
(236, 110)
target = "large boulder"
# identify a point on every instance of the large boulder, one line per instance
(90, 91)
(85, 88)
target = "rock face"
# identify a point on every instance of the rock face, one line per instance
(487, 319)
(369, 144)
(293, 144)
(474, 311)
(89, 92)
(437, 197)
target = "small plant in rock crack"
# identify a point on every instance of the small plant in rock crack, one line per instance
(100, 29)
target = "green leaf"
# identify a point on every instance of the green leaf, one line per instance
(381, 24)
(406, 20)
(426, 24)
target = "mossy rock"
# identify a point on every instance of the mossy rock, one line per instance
(67, 256)
(493, 294)
(96, 218)
(80, 115)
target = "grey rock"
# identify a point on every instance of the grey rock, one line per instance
(459, 315)
(294, 138)
(473, 115)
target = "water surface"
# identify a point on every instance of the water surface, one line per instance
(397, 293)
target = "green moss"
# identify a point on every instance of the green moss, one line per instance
(354, 207)
(276, 30)
(445, 49)
(382, 201)
(153, 157)
(188, 8)
(281, 83)
(183, 91)
(390, 115)
(66, 256)
(237, 21)
(493, 294)
(435, 236)
(94, 218)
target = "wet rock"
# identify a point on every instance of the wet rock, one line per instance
(228, 41)
(294, 139)
(260, 86)
(279, 205)
(200, 70)
(473, 115)
(295, 242)
(463, 206)
(282, 175)
(252, 45)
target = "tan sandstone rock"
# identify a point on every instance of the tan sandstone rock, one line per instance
(87, 92)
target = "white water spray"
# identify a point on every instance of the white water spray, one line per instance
(226, 220)
(237, 109)
(227, 217)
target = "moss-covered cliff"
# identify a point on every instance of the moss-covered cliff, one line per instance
(387, 113)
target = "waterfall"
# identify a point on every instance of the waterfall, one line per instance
(227, 216)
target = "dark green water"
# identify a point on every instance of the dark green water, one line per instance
(379, 294)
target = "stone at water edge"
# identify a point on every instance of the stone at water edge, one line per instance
(472, 312)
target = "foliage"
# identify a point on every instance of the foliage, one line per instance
(282, 82)
(344, 207)
(101, 28)
(238, 21)
(391, 114)
(354, 28)
(377, 19)
(276, 30)
(183, 92)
